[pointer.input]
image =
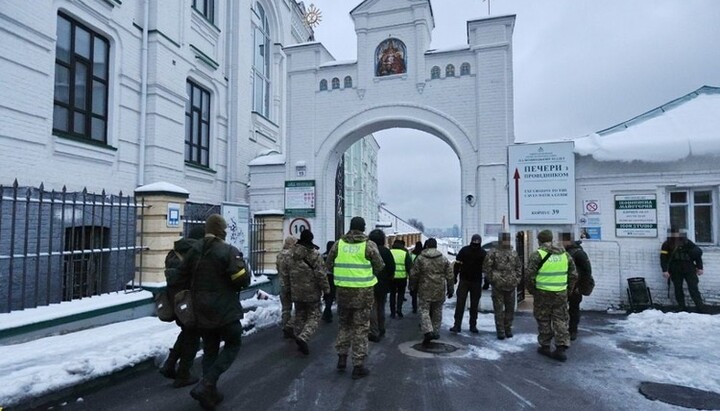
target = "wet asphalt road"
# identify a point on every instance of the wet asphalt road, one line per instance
(484, 374)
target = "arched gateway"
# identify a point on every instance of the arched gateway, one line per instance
(397, 82)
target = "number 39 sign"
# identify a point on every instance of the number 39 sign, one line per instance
(298, 225)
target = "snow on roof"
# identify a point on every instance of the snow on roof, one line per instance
(337, 63)
(269, 159)
(270, 212)
(161, 186)
(687, 126)
(448, 49)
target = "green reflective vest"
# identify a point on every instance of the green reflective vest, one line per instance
(552, 276)
(399, 257)
(351, 268)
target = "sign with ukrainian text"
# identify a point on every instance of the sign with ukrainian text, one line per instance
(300, 198)
(542, 183)
(636, 215)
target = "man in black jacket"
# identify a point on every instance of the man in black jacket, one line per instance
(188, 341)
(468, 264)
(584, 270)
(681, 259)
(215, 272)
(381, 289)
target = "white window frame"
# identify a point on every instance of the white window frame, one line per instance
(261, 26)
(690, 206)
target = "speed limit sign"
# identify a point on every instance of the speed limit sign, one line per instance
(298, 225)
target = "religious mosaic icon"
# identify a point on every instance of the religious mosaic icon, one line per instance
(313, 16)
(390, 58)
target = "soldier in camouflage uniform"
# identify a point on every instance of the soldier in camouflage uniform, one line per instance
(355, 262)
(550, 273)
(504, 270)
(283, 269)
(307, 283)
(431, 277)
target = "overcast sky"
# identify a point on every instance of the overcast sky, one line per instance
(579, 66)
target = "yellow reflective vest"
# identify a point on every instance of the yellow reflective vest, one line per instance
(351, 268)
(399, 257)
(552, 276)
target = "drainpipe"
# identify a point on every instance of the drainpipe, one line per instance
(229, 165)
(143, 93)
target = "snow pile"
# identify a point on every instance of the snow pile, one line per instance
(672, 134)
(672, 341)
(49, 364)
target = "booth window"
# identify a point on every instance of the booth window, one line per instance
(693, 210)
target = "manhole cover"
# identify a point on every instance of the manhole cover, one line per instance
(435, 348)
(679, 395)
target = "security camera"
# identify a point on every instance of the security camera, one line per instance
(470, 199)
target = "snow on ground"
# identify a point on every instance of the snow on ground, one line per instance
(664, 346)
(675, 342)
(486, 324)
(49, 364)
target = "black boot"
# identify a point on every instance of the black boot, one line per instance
(302, 346)
(288, 333)
(327, 314)
(206, 394)
(342, 361)
(359, 371)
(168, 369)
(473, 329)
(455, 329)
(559, 353)
(429, 336)
(545, 350)
(508, 333)
(573, 335)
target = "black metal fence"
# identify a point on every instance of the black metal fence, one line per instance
(60, 246)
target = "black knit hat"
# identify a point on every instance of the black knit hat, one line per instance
(357, 223)
(216, 225)
(567, 236)
(476, 238)
(430, 243)
(545, 236)
(377, 236)
(306, 236)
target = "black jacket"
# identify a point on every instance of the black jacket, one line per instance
(683, 257)
(580, 257)
(470, 261)
(173, 263)
(215, 272)
(385, 275)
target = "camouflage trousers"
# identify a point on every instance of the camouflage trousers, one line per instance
(551, 313)
(504, 309)
(286, 309)
(307, 319)
(353, 309)
(430, 315)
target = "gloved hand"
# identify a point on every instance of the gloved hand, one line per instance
(450, 293)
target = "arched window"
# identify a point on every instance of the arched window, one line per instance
(450, 71)
(390, 58)
(335, 83)
(435, 72)
(465, 69)
(261, 62)
(348, 82)
(323, 85)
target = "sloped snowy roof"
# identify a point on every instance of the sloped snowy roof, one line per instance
(337, 63)
(687, 126)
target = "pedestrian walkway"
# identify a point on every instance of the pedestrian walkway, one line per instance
(270, 374)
